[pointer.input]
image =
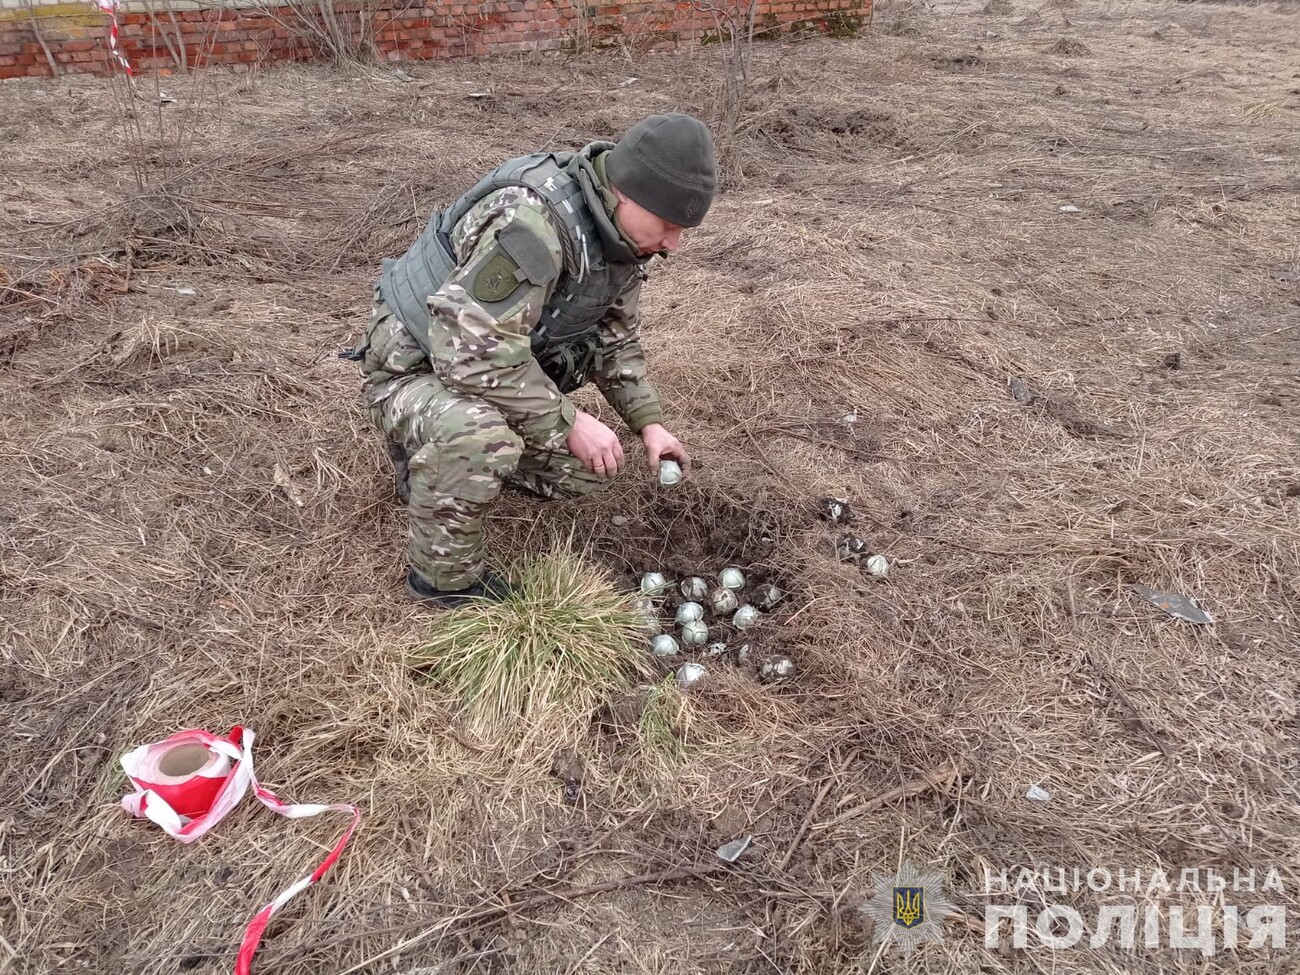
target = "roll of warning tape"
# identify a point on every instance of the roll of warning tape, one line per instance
(184, 771)
(189, 782)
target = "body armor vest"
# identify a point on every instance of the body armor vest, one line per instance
(564, 341)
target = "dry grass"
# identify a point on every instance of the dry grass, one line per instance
(1070, 47)
(197, 530)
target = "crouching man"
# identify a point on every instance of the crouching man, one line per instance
(520, 292)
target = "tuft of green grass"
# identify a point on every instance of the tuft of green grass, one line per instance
(663, 723)
(542, 661)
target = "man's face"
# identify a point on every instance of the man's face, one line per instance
(651, 234)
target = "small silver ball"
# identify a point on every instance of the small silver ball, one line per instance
(688, 612)
(664, 646)
(670, 473)
(695, 588)
(723, 601)
(653, 583)
(732, 578)
(695, 633)
(745, 617)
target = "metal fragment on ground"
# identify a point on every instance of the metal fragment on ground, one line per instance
(731, 852)
(777, 668)
(688, 674)
(835, 510)
(1175, 604)
(850, 548)
(1021, 391)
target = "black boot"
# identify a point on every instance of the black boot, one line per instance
(515, 486)
(490, 586)
(401, 472)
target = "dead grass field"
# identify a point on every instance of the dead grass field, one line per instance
(893, 246)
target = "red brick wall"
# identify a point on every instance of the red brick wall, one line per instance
(76, 34)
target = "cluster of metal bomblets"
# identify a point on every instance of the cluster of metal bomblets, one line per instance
(721, 603)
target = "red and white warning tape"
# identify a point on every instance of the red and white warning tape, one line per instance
(110, 8)
(188, 783)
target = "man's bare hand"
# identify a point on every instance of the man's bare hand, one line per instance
(660, 444)
(596, 445)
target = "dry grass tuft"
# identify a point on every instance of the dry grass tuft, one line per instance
(1070, 47)
(1257, 113)
(664, 724)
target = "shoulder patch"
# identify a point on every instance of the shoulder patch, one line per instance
(529, 252)
(496, 279)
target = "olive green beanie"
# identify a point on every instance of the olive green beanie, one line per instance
(665, 164)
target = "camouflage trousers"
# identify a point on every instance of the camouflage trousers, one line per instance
(460, 450)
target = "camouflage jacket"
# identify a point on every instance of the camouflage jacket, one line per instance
(483, 349)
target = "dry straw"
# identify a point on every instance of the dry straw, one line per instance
(196, 523)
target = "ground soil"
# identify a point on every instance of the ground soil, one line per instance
(1097, 201)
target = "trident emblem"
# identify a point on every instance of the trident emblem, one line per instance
(909, 906)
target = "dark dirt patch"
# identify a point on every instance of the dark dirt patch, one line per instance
(962, 62)
(806, 128)
(14, 686)
(691, 532)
